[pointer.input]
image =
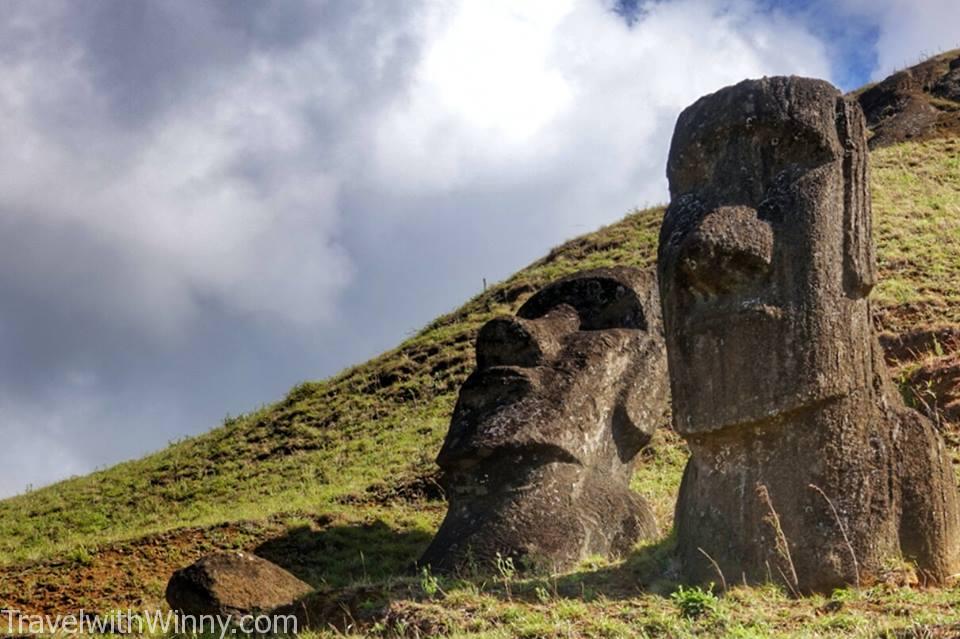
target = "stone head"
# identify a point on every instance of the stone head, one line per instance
(577, 376)
(765, 256)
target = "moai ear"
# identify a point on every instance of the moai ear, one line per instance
(859, 264)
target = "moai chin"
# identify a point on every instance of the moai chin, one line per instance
(805, 465)
(546, 431)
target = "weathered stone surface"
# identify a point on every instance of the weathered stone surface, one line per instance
(778, 384)
(232, 583)
(545, 434)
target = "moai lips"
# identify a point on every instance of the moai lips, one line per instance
(777, 382)
(546, 431)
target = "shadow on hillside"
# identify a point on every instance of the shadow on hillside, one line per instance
(378, 599)
(342, 555)
(649, 569)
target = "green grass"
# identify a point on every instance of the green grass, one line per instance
(538, 608)
(916, 200)
(354, 447)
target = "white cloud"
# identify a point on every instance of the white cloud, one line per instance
(508, 92)
(909, 31)
(171, 198)
(504, 92)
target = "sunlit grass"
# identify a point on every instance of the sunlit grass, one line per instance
(916, 202)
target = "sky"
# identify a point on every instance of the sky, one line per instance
(203, 203)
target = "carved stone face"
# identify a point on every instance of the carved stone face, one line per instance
(543, 440)
(563, 381)
(765, 253)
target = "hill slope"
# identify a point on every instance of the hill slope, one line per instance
(919, 103)
(336, 480)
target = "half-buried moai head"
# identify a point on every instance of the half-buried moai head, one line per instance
(805, 467)
(543, 439)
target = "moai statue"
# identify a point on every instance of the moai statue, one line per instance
(546, 431)
(805, 465)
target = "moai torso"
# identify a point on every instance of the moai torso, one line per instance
(778, 384)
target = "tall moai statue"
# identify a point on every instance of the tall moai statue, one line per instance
(545, 434)
(805, 465)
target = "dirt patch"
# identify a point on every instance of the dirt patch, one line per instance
(936, 387)
(918, 631)
(422, 488)
(127, 575)
(419, 489)
(918, 344)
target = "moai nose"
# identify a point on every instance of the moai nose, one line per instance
(513, 341)
(730, 249)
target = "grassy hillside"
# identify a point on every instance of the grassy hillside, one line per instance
(918, 103)
(336, 481)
